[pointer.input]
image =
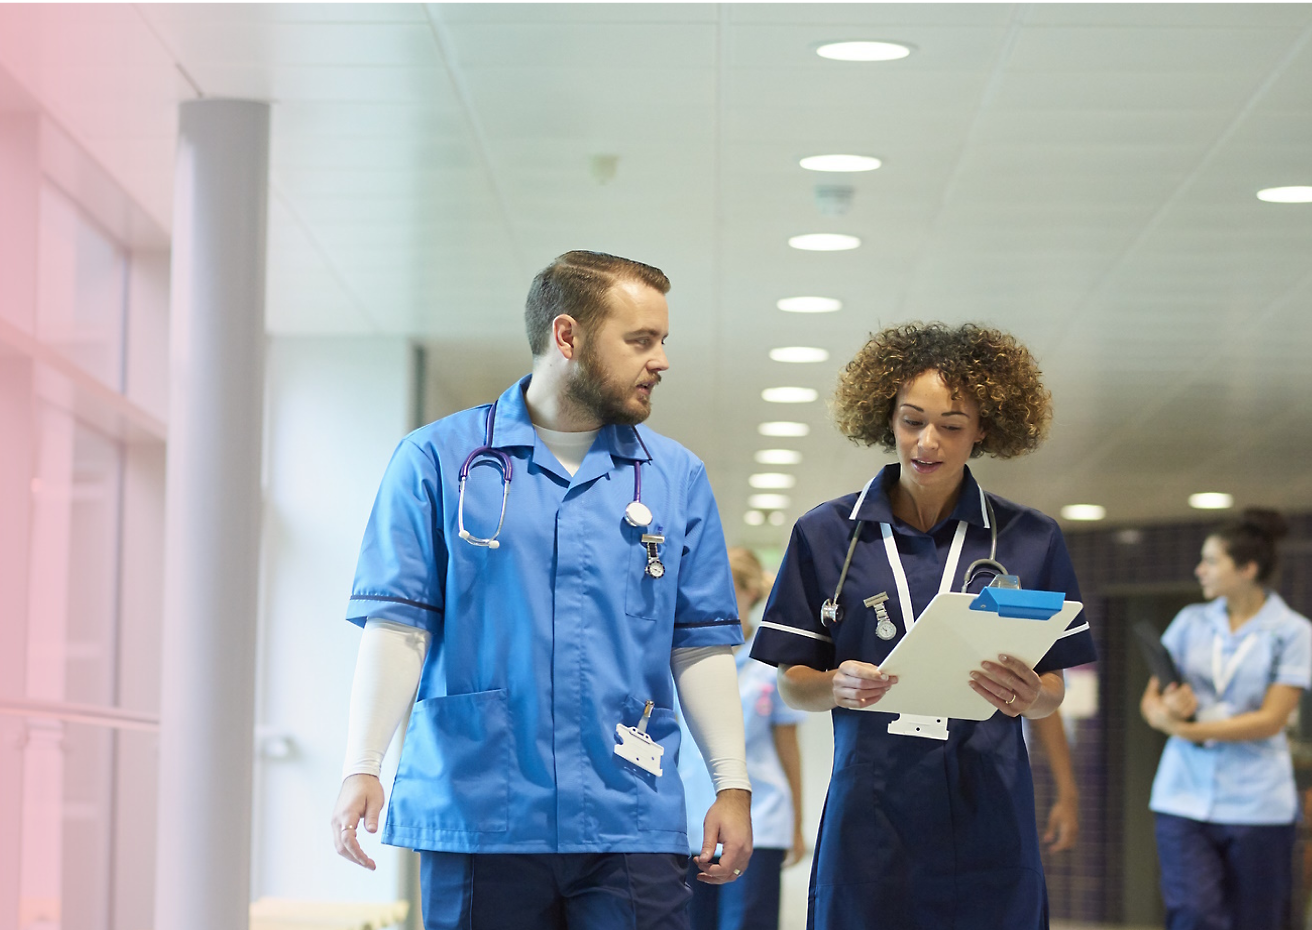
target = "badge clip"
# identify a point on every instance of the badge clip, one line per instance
(917, 725)
(637, 747)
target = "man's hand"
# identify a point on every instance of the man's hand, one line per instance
(860, 684)
(361, 798)
(729, 824)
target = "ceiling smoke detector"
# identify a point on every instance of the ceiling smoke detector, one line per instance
(834, 199)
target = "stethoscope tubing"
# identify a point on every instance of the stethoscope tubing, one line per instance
(503, 463)
(831, 613)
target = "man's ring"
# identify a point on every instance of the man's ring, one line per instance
(737, 871)
(1013, 698)
(348, 827)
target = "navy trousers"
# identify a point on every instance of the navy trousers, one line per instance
(554, 891)
(1218, 876)
(749, 903)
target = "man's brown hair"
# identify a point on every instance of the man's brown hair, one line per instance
(576, 284)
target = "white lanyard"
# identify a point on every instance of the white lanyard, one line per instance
(900, 575)
(1221, 677)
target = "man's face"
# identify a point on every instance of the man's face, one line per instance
(620, 359)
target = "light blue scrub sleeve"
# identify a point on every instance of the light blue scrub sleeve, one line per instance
(1294, 661)
(705, 611)
(401, 573)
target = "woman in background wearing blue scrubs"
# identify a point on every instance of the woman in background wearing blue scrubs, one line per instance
(774, 765)
(1224, 793)
(921, 833)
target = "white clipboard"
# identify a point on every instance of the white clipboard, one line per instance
(947, 642)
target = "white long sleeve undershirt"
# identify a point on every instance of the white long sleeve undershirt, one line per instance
(391, 659)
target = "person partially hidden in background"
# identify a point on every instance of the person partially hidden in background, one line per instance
(1062, 827)
(774, 765)
(1224, 794)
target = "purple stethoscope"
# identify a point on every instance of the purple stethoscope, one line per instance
(636, 514)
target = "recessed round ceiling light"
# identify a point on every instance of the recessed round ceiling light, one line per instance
(771, 480)
(783, 428)
(778, 457)
(1083, 512)
(753, 518)
(789, 395)
(809, 305)
(776, 518)
(1211, 500)
(844, 163)
(1286, 195)
(799, 354)
(863, 51)
(769, 501)
(824, 242)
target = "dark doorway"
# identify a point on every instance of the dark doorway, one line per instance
(1133, 749)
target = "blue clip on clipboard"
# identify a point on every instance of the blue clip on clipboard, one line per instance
(957, 632)
(1020, 604)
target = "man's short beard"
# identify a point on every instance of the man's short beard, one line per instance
(590, 389)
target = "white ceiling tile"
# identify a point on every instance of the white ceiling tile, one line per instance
(873, 14)
(280, 44)
(262, 13)
(1244, 54)
(323, 83)
(514, 14)
(616, 46)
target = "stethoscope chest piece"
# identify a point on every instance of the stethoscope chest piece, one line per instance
(637, 514)
(830, 612)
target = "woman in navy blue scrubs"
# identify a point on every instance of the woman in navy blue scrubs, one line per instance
(921, 833)
(1224, 794)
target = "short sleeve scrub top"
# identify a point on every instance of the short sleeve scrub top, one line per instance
(918, 834)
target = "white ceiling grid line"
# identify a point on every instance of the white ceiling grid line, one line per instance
(446, 48)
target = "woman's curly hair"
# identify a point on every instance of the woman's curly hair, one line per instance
(986, 364)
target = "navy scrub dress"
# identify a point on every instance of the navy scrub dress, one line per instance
(918, 834)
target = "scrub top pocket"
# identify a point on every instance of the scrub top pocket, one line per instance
(455, 771)
(645, 596)
(660, 799)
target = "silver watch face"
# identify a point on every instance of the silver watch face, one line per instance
(655, 569)
(637, 514)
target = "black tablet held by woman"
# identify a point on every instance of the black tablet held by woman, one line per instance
(1159, 660)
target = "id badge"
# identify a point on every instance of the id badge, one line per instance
(637, 747)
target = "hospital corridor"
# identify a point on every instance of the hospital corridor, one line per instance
(500, 465)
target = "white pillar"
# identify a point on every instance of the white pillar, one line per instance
(212, 523)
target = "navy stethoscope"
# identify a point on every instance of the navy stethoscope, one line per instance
(831, 613)
(636, 514)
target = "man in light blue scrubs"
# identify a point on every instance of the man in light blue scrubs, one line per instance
(539, 574)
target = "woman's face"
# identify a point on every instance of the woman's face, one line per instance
(1217, 572)
(935, 432)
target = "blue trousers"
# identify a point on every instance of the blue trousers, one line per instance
(1219, 876)
(554, 891)
(749, 903)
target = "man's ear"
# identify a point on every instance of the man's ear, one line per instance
(565, 333)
